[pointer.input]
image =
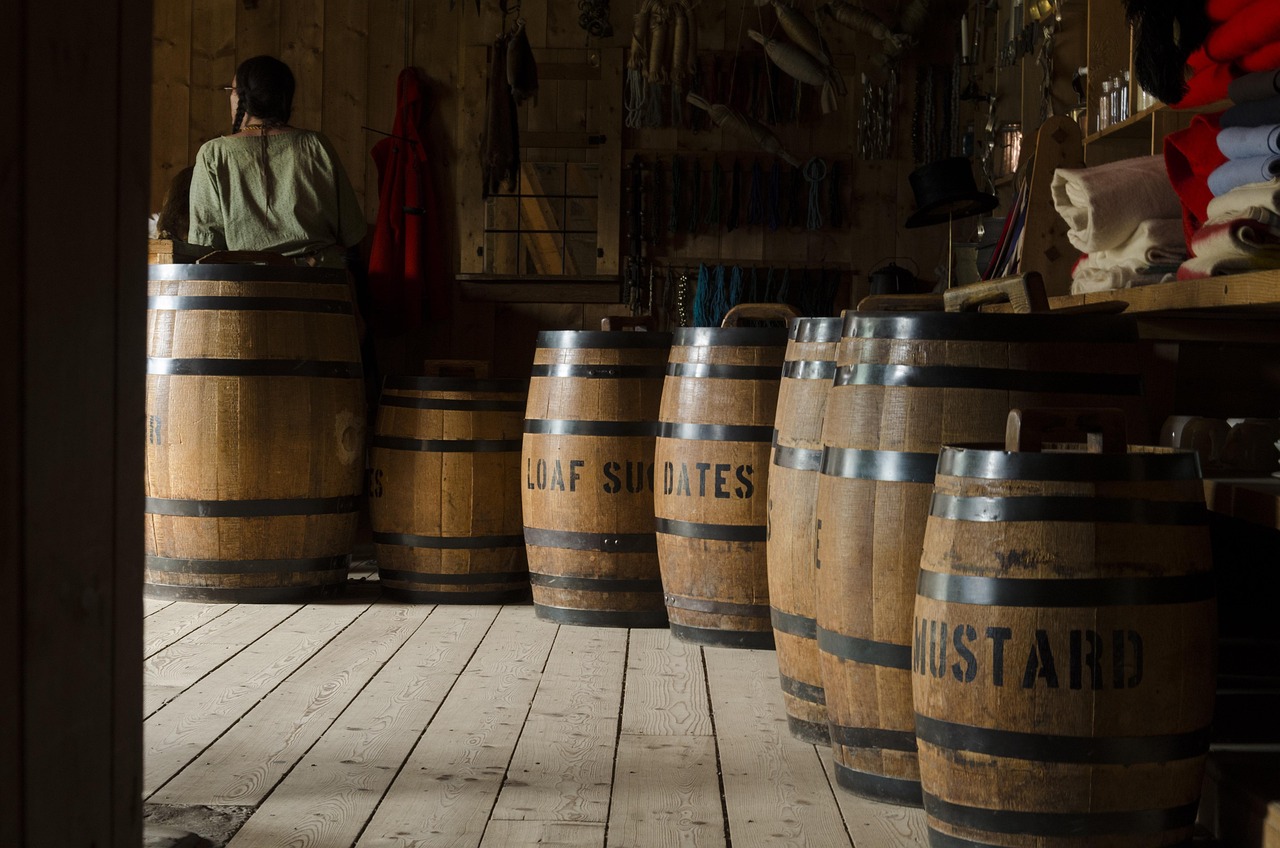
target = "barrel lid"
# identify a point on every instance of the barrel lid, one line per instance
(454, 384)
(248, 273)
(731, 336)
(815, 329)
(1142, 462)
(984, 326)
(561, 339)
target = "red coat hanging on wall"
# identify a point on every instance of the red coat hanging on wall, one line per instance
(407, 262)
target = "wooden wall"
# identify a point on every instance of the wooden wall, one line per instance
(346, 55)
(73, 182)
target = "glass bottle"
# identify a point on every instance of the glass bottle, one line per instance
(1114, 110)
(1125, 111)
(1104, 106)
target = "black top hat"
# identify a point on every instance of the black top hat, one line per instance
(945, 190)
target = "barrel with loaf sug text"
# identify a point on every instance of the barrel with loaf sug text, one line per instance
(444, 490)
(588, 476)
(1063, 644)
(807, 371)
(905, 385)
(255, 431)
(719, 401)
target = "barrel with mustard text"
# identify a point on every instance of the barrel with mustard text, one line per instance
(1063, 646)
(808, 368)
(444, 490)
(588, 477)
(719, 400)
(255, 432)
(905, 385)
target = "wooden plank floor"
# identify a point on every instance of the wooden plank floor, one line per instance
(374, 724)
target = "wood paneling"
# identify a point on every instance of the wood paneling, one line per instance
(72, 451)
(346, 55)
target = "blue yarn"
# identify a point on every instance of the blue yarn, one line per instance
(735, 288)
(719, 298)
(702, 298)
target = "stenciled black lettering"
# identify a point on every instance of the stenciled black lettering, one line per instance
(528, 472)
(970, 671)
(920, 628)
(722, 479)
(1079, 658)
(636, 476)
(1040, 663)
(541, 474)
(613, 483)
(682, 483)
(998, 636)
(1135, 640)
(703, 468)
(748, 488)
(574, 465)
(557, 477)
(668, 478)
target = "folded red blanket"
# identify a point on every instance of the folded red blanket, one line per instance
(1190, 156)
(1265, 58)
(1248, 29)
(1220, 10)
(1208, 82)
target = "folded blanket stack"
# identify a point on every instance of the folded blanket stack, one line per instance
(1125, 217)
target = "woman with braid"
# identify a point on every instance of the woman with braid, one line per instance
(270, 186)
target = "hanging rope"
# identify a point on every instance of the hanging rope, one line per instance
(717, 189)
(695, 196)
(835, 212)
(755, 197)
(815, 170)
(677, 186)
(735, 188)
(796, 201)
(771, 208)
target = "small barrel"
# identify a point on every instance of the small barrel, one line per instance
(444, 490)
(807, 370)
(1063, 647)
(255, 432)
(719, 400)
(588, 481)
(905, 384)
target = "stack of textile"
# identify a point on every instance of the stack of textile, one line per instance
(1229, 190)
(1125, 218)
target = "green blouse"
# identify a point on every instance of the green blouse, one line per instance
(295, 200)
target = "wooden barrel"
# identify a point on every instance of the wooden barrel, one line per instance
(907, 383)
(588, 482)
(719, 400)
(444, 490)
(1064, 644)
(255, 432)
(807, 370)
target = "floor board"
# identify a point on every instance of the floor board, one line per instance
(372, 724)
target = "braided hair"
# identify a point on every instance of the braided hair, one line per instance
(264, 88)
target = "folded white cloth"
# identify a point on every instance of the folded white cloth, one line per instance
(1234, 173)
(1158, 241)
(1104, 205)
(1112, 279)
(1246, 142)
(1234, 203)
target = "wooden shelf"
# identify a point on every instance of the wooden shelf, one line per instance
(1244, 296)
(539, 288)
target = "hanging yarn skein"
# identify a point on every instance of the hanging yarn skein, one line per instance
(815, 171)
